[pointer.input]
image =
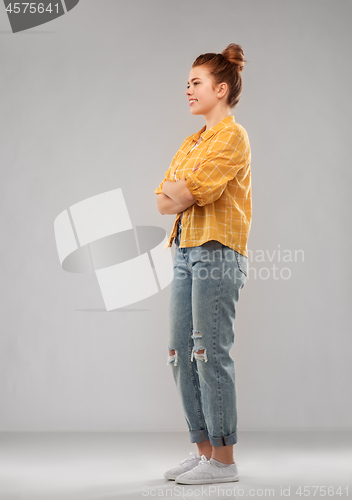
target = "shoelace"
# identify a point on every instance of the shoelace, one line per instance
(203, 460)
(189, 459)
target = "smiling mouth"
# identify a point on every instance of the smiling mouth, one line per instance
(192, 101)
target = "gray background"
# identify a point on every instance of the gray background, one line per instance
(94, 101)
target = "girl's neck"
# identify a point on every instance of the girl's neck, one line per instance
(216, 117)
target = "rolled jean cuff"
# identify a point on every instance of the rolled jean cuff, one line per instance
(198, 436)
(224, 440)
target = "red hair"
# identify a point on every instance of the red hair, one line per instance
(225, 67)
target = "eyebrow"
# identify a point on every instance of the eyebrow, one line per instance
(196, 78)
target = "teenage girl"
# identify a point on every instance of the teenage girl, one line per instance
(208, 187)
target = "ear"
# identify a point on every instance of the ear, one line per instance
(222, 89)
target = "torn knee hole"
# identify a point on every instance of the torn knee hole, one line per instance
(200, 354)
(172, 357)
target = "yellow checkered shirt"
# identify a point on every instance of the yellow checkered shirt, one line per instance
(218, 174)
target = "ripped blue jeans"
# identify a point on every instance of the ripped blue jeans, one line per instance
(204, 292)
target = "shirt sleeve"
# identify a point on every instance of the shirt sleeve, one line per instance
(167, 176)
(228, 153)
(159, 189)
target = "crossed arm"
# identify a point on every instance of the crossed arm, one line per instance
(175, 197)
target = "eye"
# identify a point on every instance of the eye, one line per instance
(194, 83)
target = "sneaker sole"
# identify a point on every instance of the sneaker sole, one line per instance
(170, 477)
(207, 481)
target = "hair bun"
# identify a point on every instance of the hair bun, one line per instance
(225, 68)
(234, 54)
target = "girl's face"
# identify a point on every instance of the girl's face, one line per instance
(200, 91)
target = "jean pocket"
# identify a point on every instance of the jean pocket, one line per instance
(242, 263)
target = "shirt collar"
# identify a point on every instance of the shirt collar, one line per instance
(206, 134)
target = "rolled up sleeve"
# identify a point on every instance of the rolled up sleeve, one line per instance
(159, 189)
(227, 154)
(167, 175)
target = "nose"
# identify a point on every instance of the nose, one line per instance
(188, 91)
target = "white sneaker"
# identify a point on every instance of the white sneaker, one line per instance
(184, 466)
(207, 472)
